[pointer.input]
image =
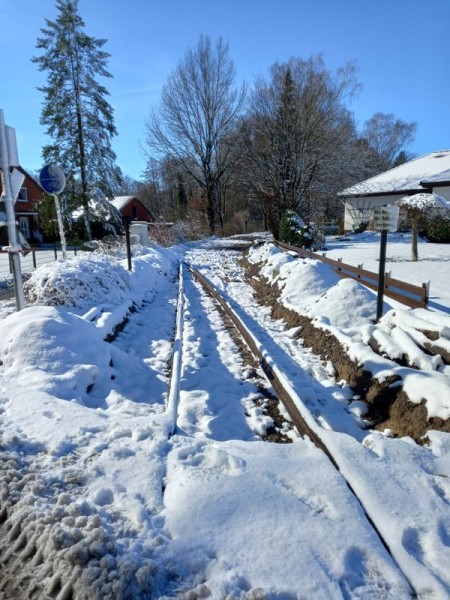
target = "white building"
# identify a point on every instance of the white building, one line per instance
(428, 173)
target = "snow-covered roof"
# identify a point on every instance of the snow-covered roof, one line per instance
(408, 177)
(441, 178)
(120, 201)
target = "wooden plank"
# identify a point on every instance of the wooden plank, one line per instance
(415, 296)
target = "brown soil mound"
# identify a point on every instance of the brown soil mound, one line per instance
(389, 406)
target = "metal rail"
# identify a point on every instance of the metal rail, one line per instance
(300, 415)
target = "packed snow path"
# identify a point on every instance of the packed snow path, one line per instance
(213, 432)
(109, 505)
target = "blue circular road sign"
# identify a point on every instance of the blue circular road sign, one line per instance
(52, 179)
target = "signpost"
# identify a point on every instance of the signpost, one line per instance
(126, 223)
(9, 158)
(53, 181)
(385, 219)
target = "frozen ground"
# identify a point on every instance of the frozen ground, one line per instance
(100, 500)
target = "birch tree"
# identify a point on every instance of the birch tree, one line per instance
(386, 138)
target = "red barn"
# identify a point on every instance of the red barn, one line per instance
(130, 206)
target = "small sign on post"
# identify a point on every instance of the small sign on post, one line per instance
(53, 181)
(385, 219)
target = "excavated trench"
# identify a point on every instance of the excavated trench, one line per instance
(388, 405)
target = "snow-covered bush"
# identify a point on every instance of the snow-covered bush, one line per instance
(78, 282)
(360, 227)
(184, 230)
(437, 227)
(189, 229)
(293, 230)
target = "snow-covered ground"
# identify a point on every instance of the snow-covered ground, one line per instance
(98, 497)
(433, 264)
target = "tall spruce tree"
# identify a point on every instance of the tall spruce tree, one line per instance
(76, 113)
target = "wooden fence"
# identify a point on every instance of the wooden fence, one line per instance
(412, 295)
(31, 258)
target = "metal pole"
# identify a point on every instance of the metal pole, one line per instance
(11, 218)
(62, 235)
(381, 274)
(127, 237)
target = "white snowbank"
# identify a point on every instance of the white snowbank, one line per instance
(348, 309)
(103, 503)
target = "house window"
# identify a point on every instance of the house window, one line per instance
(23, 195)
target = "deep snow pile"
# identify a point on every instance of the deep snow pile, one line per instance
(82, 281)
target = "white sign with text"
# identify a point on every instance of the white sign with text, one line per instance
(386, 218)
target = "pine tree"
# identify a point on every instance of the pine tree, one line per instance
(76, 113)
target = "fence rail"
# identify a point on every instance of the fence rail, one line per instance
(412, 295)
(30, 260)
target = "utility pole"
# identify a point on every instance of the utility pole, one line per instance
(8, 159)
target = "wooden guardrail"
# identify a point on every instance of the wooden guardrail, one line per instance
(412, 295)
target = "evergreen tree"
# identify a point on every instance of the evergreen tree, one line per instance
(76, 113)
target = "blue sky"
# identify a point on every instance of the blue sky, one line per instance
(401, 49)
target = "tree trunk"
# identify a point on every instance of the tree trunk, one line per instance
(211, 210)
(414, 226)
(273, 218)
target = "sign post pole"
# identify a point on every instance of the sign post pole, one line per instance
(385, 219)
(8, 155)
(126, 223)
(383, 244)
(53, 181)
(62, 235)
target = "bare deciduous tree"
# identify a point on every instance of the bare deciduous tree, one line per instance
(386, 138)
(198, 110)
(298, 136)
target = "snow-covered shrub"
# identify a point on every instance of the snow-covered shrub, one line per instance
(183, 230)
(436, 226)
(360, 227)
(163, 236)
(438, 230)
(189, 229)
(293, 230)
(81, 281)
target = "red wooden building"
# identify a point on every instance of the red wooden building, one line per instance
(130, 206)
(25, 207)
